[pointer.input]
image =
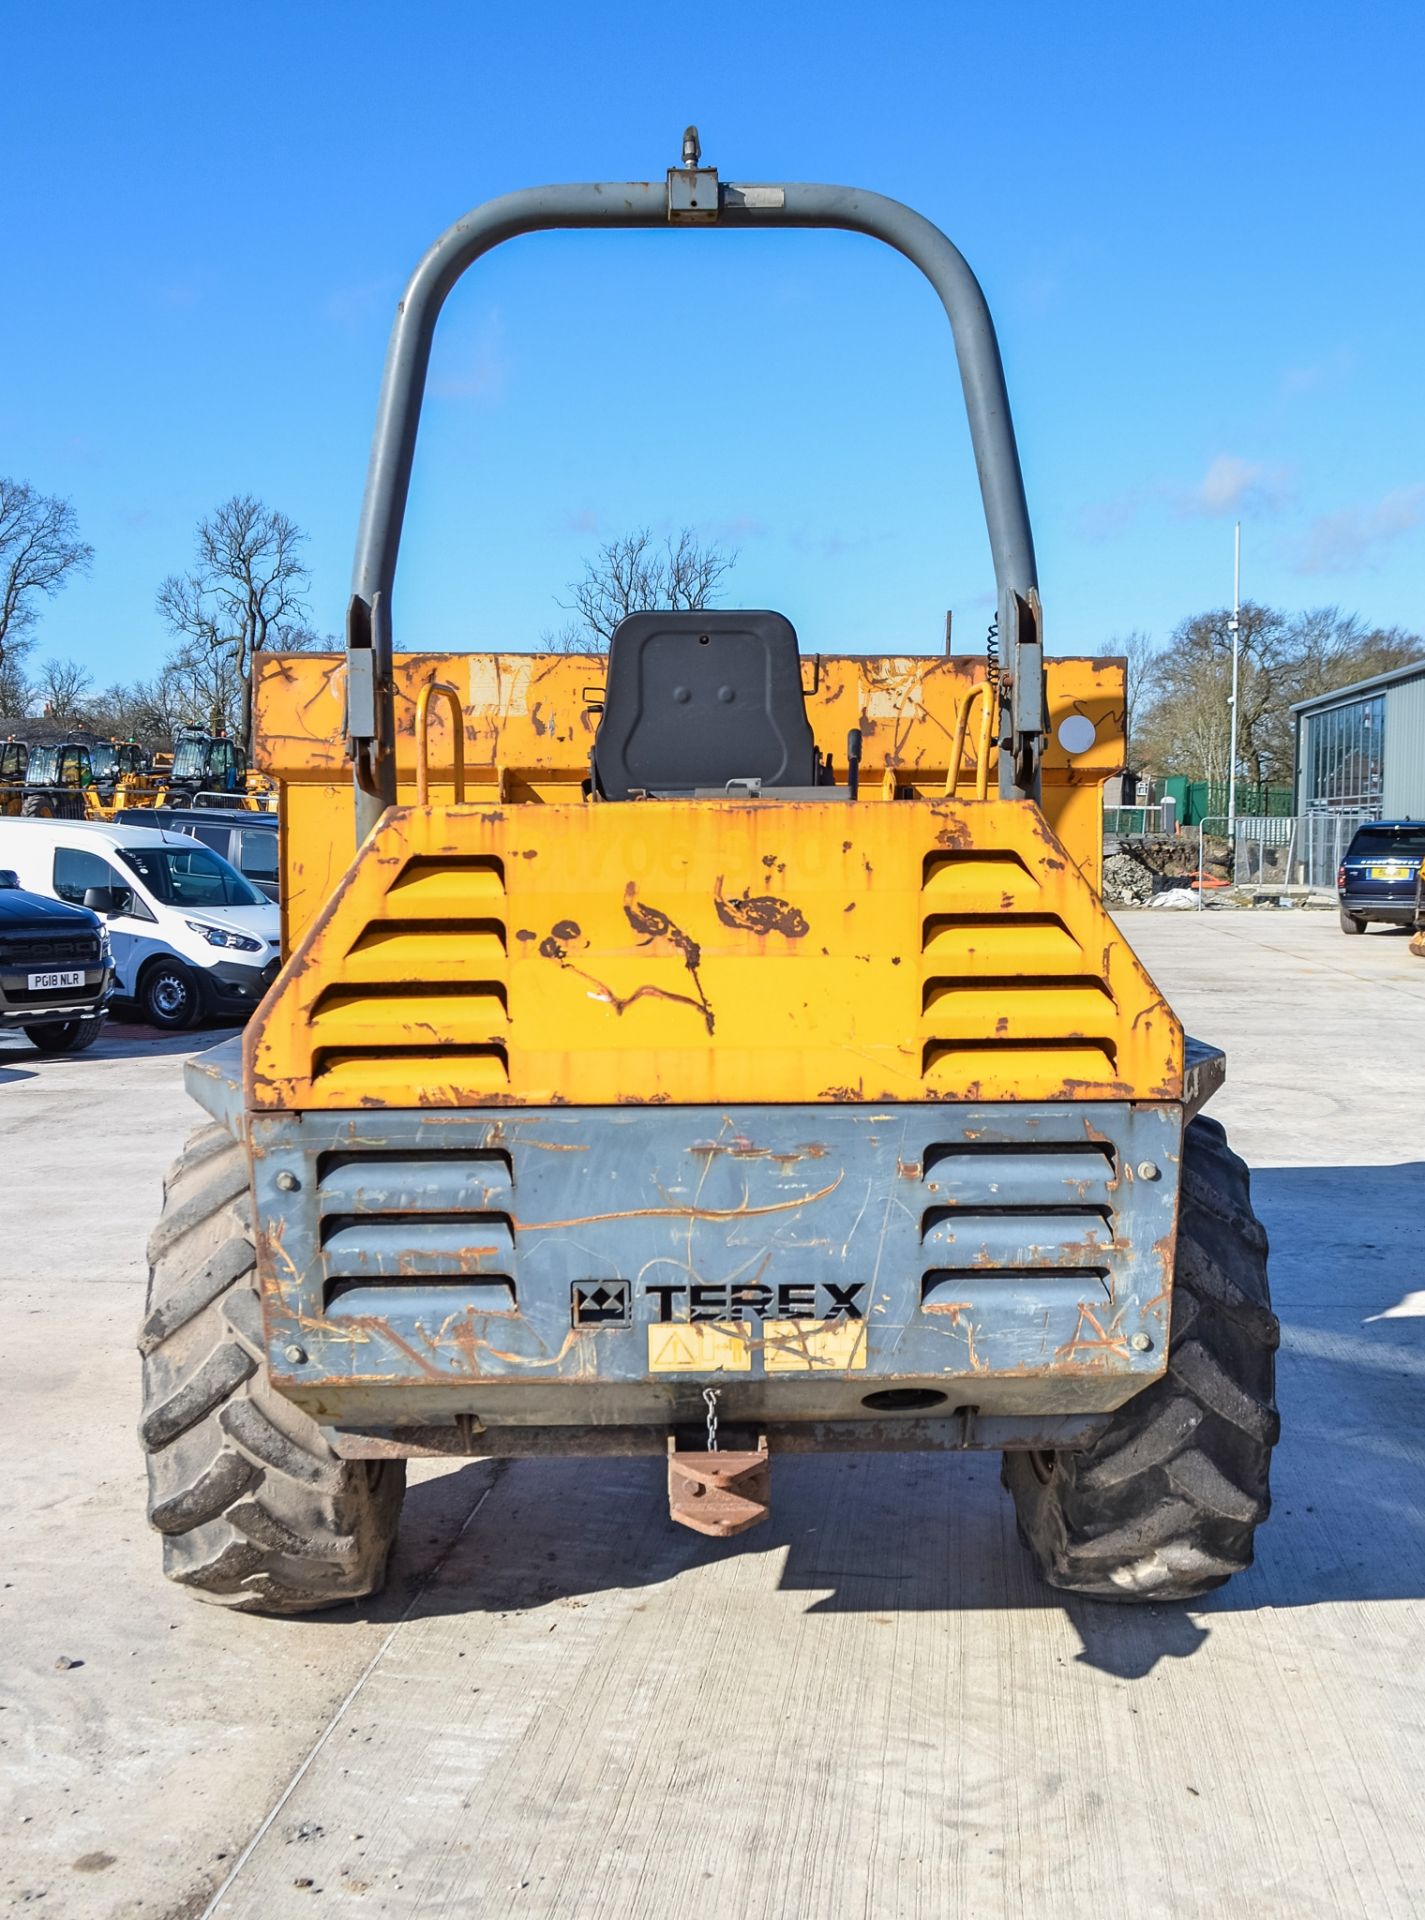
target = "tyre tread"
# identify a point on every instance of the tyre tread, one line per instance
(257, 1513)
(1165, 1503)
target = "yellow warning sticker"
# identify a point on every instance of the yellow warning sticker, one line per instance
(811, 1346)
(703, 1346)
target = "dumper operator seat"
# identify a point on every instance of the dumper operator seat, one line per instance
(698, 702)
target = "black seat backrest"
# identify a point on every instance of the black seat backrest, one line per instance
(698, 699)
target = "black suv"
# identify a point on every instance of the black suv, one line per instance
(1377, 878)
(56, 974)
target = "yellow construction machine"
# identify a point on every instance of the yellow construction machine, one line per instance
(211, 769)
(712, 1050)
(14, 760)
(87, 779)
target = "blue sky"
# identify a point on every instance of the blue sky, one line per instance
(1200, 232)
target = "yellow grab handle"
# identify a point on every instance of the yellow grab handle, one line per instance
(984, 693)
(423, 700)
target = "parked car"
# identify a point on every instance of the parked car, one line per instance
(1376, 880)
(247, 841)
(190, 936)
(56, 969)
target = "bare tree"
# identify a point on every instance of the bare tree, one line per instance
(1139, 651)
(1186, 724)
(246, 595)
(633, 575)
(62, 686)
(150, 711)
(1186, 716)
(39, 549)
(15, 694)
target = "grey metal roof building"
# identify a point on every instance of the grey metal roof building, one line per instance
(1362, 748)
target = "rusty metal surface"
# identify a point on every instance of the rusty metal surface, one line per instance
(719, 1494)
(214, 1080)
(1204, 1071)
(529, 722)
(938, 950)
(566, 1266)
(963, 1430)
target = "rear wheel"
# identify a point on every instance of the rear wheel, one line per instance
(256, 1511)
(1164, 1505)
(37, 806)
(168, 995)
(66, 1036)
(1350, 923)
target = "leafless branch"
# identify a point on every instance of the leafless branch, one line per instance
(39, 549)
(246, 595)
(632, 575)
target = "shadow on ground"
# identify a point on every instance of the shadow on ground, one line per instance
(882, 1534)
(120, 1040)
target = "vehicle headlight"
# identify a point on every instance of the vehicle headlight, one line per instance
(222, 937)
(106, 952)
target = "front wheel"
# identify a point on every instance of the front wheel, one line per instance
(1165, 1503)
(66, 1036)
(168, 996)
(256, 1511)
(1350, 923)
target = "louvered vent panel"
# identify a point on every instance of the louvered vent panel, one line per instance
(1003, 975)
(403, 1232)
(423, 990)
(1045, 1206)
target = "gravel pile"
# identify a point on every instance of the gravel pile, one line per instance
(1126, 881)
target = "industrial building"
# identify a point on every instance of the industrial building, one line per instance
(1361, 749)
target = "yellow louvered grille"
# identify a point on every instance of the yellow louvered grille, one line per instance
(1006, 976)
(721, 953)
(430, 969)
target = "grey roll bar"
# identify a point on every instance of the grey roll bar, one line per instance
(691, 196)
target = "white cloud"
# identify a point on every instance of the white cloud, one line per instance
(1231, 485)
(1354, 536)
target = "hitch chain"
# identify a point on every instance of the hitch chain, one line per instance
(710, 1402)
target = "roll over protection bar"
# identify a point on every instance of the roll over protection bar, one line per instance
(692, 195)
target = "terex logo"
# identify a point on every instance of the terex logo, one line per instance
(792, 1300)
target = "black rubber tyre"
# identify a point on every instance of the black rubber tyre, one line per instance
(168, 995)
(52, 806)
(1350, 924)
(256, 1511)
(66, 1036)
(1164, 1505)
(178, 797)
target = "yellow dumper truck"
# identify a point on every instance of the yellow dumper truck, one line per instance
(712, 1050)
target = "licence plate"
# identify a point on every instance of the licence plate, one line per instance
(1390, 873)
(42, 982)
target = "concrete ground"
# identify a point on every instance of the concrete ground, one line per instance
(564, 1707)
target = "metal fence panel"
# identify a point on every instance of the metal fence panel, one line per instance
(1323, 842)
(1302, 850)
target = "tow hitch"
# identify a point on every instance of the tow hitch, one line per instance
(716, 1492)
(719, 1493)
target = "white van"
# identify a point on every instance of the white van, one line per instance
(190, 935)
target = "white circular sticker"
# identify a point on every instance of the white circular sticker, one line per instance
(1076, 734)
